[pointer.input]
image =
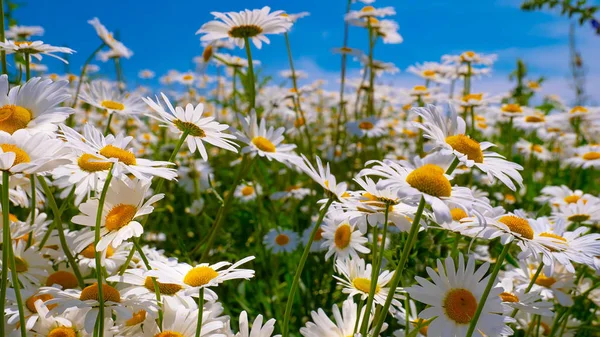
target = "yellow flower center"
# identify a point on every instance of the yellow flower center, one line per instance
(587, 156)
(13, 118)
(168, 334)
(472, 97)
(191, 128)
(123, 156)
(164, 288)
(187, 77)
(263, 144)
(429, 73)
(579, 109)
(458, 214)
(65, 279)
(537, 148)
(366, 125)
(199, 276)
(90, 163)
(533, 85)
(508, 297)
(554, 236)
(282, 239)
(460, 305)
(207, 53)
(544, 281)
(430, 179)
(62, 331)
(467, 146)
(342, 236)
(512, 108)
(90, 252)
(245, 31)
(20, 155)
(571, 199)
(137, 318)
(364, 285)
(108, 293)
(299, 122)
(518, 225)
(319, 235)
(112, 105)
(21, 265)
(467, 55)
(419, 88)
(578, 217)
(247, 190)
(30, 302)
(119, 216)
(535, 119)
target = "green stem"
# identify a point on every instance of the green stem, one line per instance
(342, 115)
(172, 160)
(107, 130)
(488, 288)
(57, 221)
(375, 273)
(82, 75)
(412, 235)
(252, 93)
(371, 96)
(4, 68)
(200, 312)
(17, 288)
(27, 66)
(100, 318)
(6, 241)
(453, 166)
(33, 208)
(296, 281)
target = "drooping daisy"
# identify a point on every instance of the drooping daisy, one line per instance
(249, 24)
(123, 205)
(117, 48)
(342, 239)
(356, 280)
(453, 296)
(35, 49)
(203, 275)
(35, 106)
(281, 240)
(189, 120)
(265, 142)
(103, 95)
(104, 152)
(448, 136)
(322, 176)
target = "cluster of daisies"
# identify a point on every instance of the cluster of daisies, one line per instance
(367, 210)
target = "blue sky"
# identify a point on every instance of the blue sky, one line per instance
(162, 35)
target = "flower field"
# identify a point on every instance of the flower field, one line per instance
(224, 202)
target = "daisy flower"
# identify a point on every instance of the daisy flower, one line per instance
(111, 151)
(25, 153)
(23, 32)
(557, 286)
(317, 244)
(182, 322)
(203, 275)
(258, 329)
(563, 195)
(343, 239)
(448, 136)
(368, 128)
(105, 96)
(247, 192)
(471, 57)
(281, 240)
(344, 323)
(530, 302)
(123, 205)
(31, 266)
(322, 176)
(190, 121)
(370, 12)
(70, 323)
(532, 150)
(34, 48)
(453, 296)
(111, 259)
(118, 49)
(249, 24)
(35, 106)
(356, 280)
(429, 71)
(263, 141)
(587, 156)
(146, 74)
(580, 212)
(30, 309)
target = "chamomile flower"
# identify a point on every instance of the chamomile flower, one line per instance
(557, 286)
(281, 240)
(356, 280)
(563, 195)
(530, 302)
(587, 156)
(31, 265)
(580, 212)
(123, 205)
(448, 135)
(344, 323)
(249, 24)
(183, 322)
(532, 150)
(25, 153)
(117, 48)
(247, 192)
(370, 12)
(343, 239)
(111, 259)
(23, 32)
(35, 106)
(35, 49)
(317, 244)
(203, 275)
(368, 128)
(189, 120)
(103, 95)
(453, 296)
(265, 142)
(258, 328)
(322, 176)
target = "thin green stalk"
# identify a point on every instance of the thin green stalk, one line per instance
(200, 312)
(33, 208)
(454, 253)
(371, 96)
(61, 233)
(530, 285)
(342, 115)
(453, 166)
(107, 130)
(3, 56)
(16, 285)
(172, 160)
(296, 281)
(488, 288)
(412, 235)
(27, 66)
(82, 74)
(252, 93)
(100, 318)
(375, 272)
(6, 241)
